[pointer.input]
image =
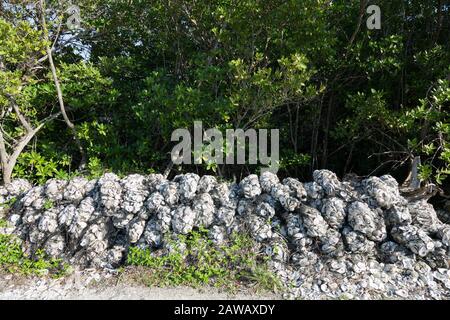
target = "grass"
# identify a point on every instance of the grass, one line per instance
(14, 260)
(8, 204)
(3, 223)
(196, 262)
(48, 204)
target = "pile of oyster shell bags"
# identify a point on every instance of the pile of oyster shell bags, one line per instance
(299, 225)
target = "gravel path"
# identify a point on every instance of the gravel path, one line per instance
(93, 284)
(88, 285)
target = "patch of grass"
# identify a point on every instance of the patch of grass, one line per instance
(9, 203)
(3, 223)
(48, 204)
(196, 261)
(14, 260)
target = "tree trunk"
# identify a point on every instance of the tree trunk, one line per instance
(8, 162)
(7, 174)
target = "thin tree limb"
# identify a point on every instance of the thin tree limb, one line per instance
(21, 117)
(69, 123)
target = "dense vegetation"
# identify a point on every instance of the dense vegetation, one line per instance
(344, 97)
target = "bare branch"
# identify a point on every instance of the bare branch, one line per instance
(69, 123)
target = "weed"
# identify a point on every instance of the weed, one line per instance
(3, 223)
(14, 260)
(9, 203)
(195, 261)
(48, 204)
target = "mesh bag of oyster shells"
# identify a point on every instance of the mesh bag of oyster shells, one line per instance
(324, 236)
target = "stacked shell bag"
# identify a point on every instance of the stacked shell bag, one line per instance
(93, 223)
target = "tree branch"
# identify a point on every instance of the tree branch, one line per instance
(69, 123)
(22, 119)
(3, 153)
(362, 6)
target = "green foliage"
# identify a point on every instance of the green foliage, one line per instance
(95, 167)
(14, 260)
(48, 204)
(37, 168)
(194, 260)
(20, 42)
(294, 160)
(20, 45)
(344, 97)
(3, 223)
(8, 204)
(432, 116)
